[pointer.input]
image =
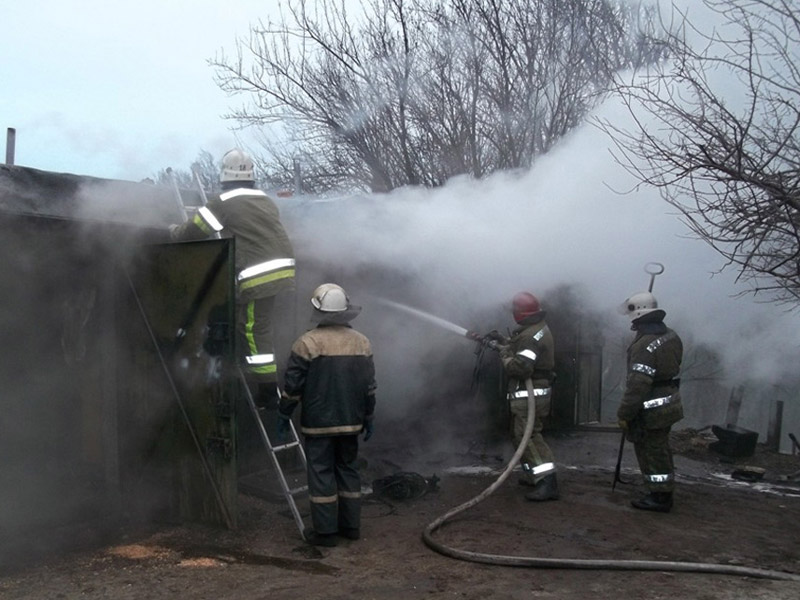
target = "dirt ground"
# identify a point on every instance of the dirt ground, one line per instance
(716, 520)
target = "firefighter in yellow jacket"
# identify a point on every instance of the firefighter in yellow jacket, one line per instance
(530, 355)
(652, 403)
(264, 262)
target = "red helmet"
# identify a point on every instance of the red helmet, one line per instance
(525, 305)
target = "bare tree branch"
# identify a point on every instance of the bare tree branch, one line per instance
(717, 130)
(415, 92)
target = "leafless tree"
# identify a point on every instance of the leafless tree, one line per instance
(167, 175)
(415, 92)
(717, 131)
(204, 172)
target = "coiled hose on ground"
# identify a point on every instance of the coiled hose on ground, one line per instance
(574, 563)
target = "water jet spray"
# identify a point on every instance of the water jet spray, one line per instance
(441, 323)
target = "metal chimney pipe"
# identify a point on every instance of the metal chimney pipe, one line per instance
(11, 139)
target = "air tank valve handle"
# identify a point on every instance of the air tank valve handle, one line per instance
(653, 269)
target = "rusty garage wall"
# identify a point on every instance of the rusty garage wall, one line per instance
(92, 433)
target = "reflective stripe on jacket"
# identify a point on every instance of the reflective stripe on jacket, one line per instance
(264, 255)
(651, 390)
(532, 355)
(331, 373)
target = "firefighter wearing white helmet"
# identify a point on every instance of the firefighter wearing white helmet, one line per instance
(330, 373)
(639, 305)
(264, 263)
(236, 166)
(330, 298)
(529, 359)
(651, 403)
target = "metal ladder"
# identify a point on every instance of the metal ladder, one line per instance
(293, 444)
(272, 450)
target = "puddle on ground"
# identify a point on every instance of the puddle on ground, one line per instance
(766, 487)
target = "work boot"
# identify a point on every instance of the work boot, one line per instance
(351, 533)
(546, 489)
(655, 501)
(327, 540)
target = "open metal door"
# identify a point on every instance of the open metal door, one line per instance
(181, 396)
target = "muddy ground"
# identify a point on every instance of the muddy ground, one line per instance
(716, 520)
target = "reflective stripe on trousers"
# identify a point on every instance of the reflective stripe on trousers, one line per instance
(536, 392)
(656, 402)
(334, 483)
(254, 326)
(542, 469)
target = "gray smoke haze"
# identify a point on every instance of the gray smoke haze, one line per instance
(466, 248)
(128, 203)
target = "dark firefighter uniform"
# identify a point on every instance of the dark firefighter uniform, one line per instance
(651, 404)
(530, 355)
(264, 266)
(331, 374)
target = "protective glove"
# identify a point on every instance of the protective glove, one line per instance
(173, 231)
(496, 336)
(282, 431)
(506, 355)
(623, 425)
(368, 429)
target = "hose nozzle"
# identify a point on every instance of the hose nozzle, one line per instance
(483, 340)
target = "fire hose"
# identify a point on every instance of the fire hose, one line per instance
(559, 563)
(573, 563)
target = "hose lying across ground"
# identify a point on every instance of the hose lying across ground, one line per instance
(574, 563)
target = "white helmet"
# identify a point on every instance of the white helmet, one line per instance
(639, 305)
(330, 297)
(236, 166)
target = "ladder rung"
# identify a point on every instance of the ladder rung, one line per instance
(285, 446)
(273, 450)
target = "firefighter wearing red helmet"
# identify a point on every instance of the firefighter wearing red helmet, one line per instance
(530, 355)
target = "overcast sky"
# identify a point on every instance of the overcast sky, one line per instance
(117, 89)
(120, 89)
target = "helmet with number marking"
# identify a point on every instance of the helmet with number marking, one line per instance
(237, 166)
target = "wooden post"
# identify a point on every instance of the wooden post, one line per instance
(795, 444)
(775, 426)
(734, 404)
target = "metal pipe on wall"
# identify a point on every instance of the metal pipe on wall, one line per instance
(11, 138)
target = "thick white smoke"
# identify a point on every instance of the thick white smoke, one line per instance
(471, 245)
